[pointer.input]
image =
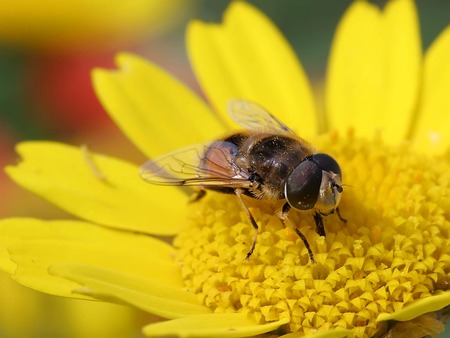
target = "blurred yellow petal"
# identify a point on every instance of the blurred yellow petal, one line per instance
(211, 325)
(418, 308)
(162, 299)
(30, 314)
(99, 320)
(247, 57)
(20, 309)
(97, 188)
(153, 109)
(374, 70)
(432, 133)
(5, 261)
(36, 245)
(73, 24)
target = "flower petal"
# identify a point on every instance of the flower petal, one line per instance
(5, 261)
(374, 70)
(247, 57)
(211, 325)
(35, 245)
(158, 298)
(97, 188)
(424, 305)
(153, 109)
(433, 123)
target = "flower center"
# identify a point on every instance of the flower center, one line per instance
(393, 250)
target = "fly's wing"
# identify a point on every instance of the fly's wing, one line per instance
(254, 117)
(206, 165)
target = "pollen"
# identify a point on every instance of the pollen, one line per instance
(393, 250)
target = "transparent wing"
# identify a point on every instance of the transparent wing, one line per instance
(208, 165)
(254, 117)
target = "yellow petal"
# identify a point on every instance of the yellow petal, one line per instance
(432, 133)
(425, 305)
(97, 188)
(211, 325)
(158, 298)
(35, 245)
(247, 57)
(5, 261)
(99, 320)
(153, 109)
(374, 70)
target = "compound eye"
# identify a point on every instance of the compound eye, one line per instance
(326, 163)
(303, 185)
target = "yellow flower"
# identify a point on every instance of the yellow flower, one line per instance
(386, 269)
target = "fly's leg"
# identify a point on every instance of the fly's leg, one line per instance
(320, 229)
(197, 195)
(319, 221)
(239, 193)
(284, 217)
(343, 220)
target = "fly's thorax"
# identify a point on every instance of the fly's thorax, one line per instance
(271, 157)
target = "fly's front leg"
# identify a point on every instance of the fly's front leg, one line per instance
(320, 229)
(239, 193)
(319, 220)
(284, 217)
(343, 220)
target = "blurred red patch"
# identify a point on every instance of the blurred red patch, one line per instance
(63, 93)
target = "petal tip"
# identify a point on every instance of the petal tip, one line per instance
(193, 26)
(125, 59)
(237, 6)
(97, 74)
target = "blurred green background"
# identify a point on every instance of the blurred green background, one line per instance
(47, 49)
